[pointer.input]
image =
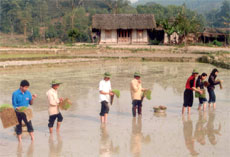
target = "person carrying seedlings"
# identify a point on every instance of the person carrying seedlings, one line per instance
(200, 85)
(212, 82)
(188, 93)
(53, 110)
(136, 94)
(105, 91)
(22, 98)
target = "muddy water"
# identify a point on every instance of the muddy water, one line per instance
(201, 134)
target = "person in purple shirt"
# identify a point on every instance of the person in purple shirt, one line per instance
(23, 98)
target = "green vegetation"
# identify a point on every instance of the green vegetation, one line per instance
(116, 92)
(22, 109)
(70, 20)
(147, 94)
(5, 106)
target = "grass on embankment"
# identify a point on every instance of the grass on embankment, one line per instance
(8, 57)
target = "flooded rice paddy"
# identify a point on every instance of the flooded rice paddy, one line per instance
(170, 134)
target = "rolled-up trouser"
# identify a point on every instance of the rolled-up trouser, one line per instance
(212, 96)
(52, 119)
(137, 105)
(104, 108)
(22, 117)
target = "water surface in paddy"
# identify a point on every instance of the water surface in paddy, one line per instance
(201, 134)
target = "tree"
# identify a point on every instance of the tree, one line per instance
(9, 14)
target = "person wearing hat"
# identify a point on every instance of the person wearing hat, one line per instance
(188, 93)
(136, 94)
(23, 98)
(105, 91)
(53, 110)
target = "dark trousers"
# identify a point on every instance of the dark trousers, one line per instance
(22, 117)
(212, 96)
(52, 119)
(104, 108)
(137, 106)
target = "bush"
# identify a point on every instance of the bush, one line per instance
(217, 43)
(154, 42)
(76, 36)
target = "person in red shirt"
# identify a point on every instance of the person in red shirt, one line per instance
(188, 93)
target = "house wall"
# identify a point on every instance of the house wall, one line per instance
(136, 38)
(140, 37)
(108, 38)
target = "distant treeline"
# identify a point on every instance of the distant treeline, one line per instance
(56, 20)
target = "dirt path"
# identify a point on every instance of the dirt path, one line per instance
(46, 61)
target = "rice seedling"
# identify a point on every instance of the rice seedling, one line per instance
(147, 94)
(116, 92)
(66, 104)
(198, 95)
(22, 109)
(8, 116)
(5, 106)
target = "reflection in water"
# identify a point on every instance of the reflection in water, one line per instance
(106, 144)
(203, 128)
(188, 135)
(137, 137)
(211, 131)
(55, 149)
(200, 130)
(30, 150)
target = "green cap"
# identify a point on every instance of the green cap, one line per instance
(195, 71)
(107, 74)
(137, 74)
(56, 82)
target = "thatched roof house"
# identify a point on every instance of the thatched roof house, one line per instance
(123, 28)
(211, 34)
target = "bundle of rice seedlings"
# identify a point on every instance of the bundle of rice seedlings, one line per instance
(5, 106)
(147, 94)
(111, 99)
(65, 104)
(28, 112)
(206, 84)
(116, 92)
(198, 95)
(22, 109)
(8, 116)
(162, 107)
(221, 87)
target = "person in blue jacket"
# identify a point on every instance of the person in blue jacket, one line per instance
(23, 98)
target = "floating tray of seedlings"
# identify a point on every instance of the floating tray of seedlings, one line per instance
(160, 109)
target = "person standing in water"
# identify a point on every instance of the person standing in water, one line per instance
(23, 98)
(200, 85)
(105, 91)
(53, 110)
(136, 94)
(188, 93)
(212, 82)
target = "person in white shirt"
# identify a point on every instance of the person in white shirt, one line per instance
(105, 93)
(53, 110)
